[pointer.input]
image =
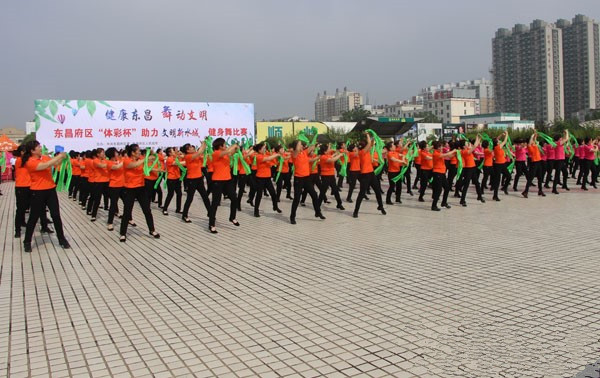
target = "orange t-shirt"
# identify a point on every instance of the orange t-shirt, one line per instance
(468, 159)
(354, 161)
(22, 178)
(393, 166)
(210, 167)
(40, 180)
(534, 153)
(194, 166)
(439, 165)
(426, 165)
(134, 177)
(366, 164)
(286, 165)
(499, 155)
(301, 165)
(102, 174)
(220, 166)
(173, 171)
(84, 170)
(89, 168)
(314, 165)
(327, 168)
(375, 160)
(263, 168)
(117, 176)
(488, 158)
(76, 168)
(417, 159)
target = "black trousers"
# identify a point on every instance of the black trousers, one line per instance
(469, 176)
(488, 173)
(368, 180)
(240, 182)
(440, 182)
(139, 194)
(521, 171)
(74, 186)
(304, 184)
(329, 182)
(218, 188)
(417, 175)
(550, 166)
(500, 175)
(425, 176)
(114, 194)
(535, 170)
(100, 189)
(84, 190)
(173, 188)
(452, 170)
(40, 199)
(394, 187)
(23, 198)
(92, 187)
(193, 185)
(315, 181)
(352, 179)
(560, 170)
(407, 179)
(158, 192)
(149, 185)
(252, 183)
(263, 183)
(285, 181)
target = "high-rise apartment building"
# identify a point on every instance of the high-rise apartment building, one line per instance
(581, 64)
(528, 71)
(330, 108)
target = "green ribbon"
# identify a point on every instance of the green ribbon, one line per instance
(377, 146)
(508, 151)
(460, 164)
(484, 136)
(181, 168)
(344, 166)
(208, 150)
(281, 160)
(302, 137)
(3, 162)
(147, 167)
(161, 176)
(239, 157)
(547, 138)
(411, 154)
(66, 169)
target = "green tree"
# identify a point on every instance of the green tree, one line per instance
(428, 117)
(355, 115)
(28, 138)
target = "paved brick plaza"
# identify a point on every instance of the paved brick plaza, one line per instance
(505, 289)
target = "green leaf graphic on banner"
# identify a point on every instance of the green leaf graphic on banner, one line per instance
(91, 107)
(80, 104)
(105, 103)
(53, 108)
(37, 123)
(43, 114)
(43, 104)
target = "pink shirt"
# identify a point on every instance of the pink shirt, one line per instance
(549, 152)
(579, 151)
(559, 150)
(444, 150)
(589, 152)
(544, 156)
(521, 153)
(478, 152)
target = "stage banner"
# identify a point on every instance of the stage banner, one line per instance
(83, 125)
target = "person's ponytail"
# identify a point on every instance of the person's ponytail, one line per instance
(29, 146)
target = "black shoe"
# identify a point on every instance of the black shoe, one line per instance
(239, 208)
(27, 247)
(411, 193)
(584, 188)
(339, 206)
(540, 193)
(165, 212)
(213, 230)
(18, 234)
(555, 191)
(514, 188)
(177, 211)
(256, 214)
(302, 204)
(389, 203)
(524, 194)
(349, 200)
(446, 206)
(64, 244)
(505, 190)
(277, 210)
(566, 188)
(46, 231)
(463, 204)
(122, 238)
(292, 220)
(435, 208)
(155, 234)
(289, 197)
(421, 199)
(355, 214)
(186, 219)
(235, 223)
(456, 195)
(547, 186)
(93, 219)
(320, 216)
(366, 198)
(481, 199)
(382, 211)
(496, 199)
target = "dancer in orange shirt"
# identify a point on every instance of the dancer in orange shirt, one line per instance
(195, 181)
(222, 182)
(263, 177)
(302, 180)
(327, 163)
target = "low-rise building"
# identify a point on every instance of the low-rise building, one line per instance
(496, 121)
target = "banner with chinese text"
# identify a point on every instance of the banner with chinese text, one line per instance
(82, 125)
(266, 130)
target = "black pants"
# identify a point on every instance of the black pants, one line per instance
(149, 185)
(40, 199)
(158, 192)
(173, 188)
(521, 171)
(193, 185)
(440, 182)
(304, 184)
(285, 181)
(550, 166)
(352, 179)
(84, 190)
(92, 187)
(329, 182)
(100, 189)
(263, 183)
(417, 175)
(452, 170)
(535, 170)
(218, 188)
(488, 172)
(252, 183)
(315, 181)
(74, 186)
(425, 176)
(394, 187)
(574, 165)
(368, 180)
(500, 175)
(114, 194)
(240, 181)
(467, 177)
(139, 194)
(560, 168)
(407, 179)
(23, 198)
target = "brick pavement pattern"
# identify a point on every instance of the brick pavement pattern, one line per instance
(497, 289)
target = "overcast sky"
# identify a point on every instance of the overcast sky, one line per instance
(276, 54)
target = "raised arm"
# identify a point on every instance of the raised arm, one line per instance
(52, 162)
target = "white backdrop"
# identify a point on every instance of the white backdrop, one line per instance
(82, 125)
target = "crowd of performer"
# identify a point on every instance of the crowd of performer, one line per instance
(113, 180)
